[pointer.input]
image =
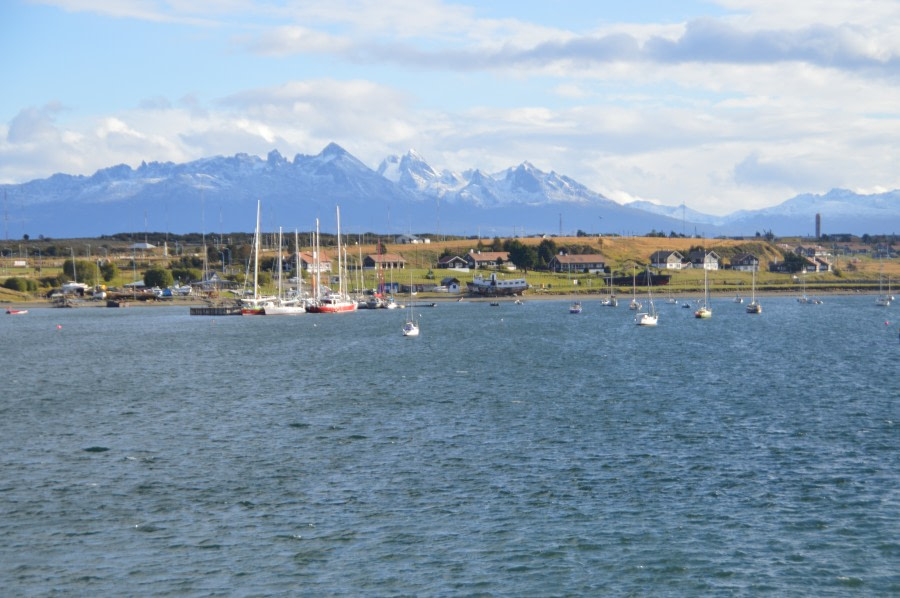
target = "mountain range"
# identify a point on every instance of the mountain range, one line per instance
(403, 195)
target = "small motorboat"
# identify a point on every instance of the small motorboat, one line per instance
(575, 308)
(16, 312)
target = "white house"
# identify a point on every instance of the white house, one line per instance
(707, 260)
(667, 260)
(308, 263)
(451, 284)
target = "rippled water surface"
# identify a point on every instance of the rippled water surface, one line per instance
(508, 451)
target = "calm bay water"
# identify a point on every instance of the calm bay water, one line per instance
(508, 451)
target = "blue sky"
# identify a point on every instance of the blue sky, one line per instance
(723, 105)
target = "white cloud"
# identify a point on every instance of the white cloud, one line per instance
(736, 111)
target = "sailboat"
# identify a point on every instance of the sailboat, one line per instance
(253, 306)
(883, 300)
(635, 304)
(282, 306)
(753, 307)
(411, 327)
(611, 300)
(704, 311)
(650, 317)
(335, 301)
(804, 298)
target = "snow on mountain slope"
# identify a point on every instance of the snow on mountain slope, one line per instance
(404, 193)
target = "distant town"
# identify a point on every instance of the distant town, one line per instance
(150, 265)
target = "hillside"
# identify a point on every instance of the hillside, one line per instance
(622, 254)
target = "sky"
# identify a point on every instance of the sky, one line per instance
(721, 105)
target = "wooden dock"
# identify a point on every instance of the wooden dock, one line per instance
(224, 310)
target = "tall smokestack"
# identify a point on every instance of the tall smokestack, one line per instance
(818, 226)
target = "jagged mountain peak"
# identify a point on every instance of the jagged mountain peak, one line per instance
(333, 150)
(274, 158)
(403, 189)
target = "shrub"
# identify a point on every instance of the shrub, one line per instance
(186, 275)
(158, 277)
(23, 285)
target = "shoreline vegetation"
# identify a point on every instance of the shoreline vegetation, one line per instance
(121, 261)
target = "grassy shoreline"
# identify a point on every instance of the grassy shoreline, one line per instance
(538, 295)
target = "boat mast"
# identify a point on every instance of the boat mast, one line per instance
(280, 293)
(360, 283)
(298, 271)
(340, 262)
(317, 281)
(256, 256)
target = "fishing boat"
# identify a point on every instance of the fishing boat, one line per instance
(575, 308)
(754, 306)
(494, 286)
(704, 311)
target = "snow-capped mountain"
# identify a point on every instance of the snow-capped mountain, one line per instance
(404, 194)
(841, 211)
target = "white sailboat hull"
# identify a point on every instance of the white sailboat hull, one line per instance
(646, 320)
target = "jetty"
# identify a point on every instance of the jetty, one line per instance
(217, 310)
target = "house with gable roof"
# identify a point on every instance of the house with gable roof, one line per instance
(308, 262)
(586, 262)
(667, 260)
(451, 283)
(702, 259)
(745, 262)
(451, 261)
(487, 259)
(387, 261)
